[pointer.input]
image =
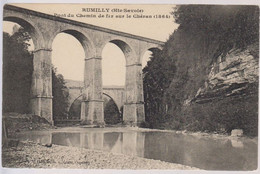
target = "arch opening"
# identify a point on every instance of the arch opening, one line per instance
(112, 115)
(75, 108)
(114, 57)
(69, 49)
(83, 40)
(146, 57)
(35, 35)
(148, 54)
(123, 46)
(68, 56)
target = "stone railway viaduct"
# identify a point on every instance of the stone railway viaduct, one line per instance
(75, 89)
(43, 28)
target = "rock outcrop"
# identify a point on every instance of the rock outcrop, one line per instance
(231, 75)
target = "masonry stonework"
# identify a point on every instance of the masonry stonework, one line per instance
(43, 28)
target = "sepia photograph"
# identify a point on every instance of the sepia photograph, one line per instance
(130, 86)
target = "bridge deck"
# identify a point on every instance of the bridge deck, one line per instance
(81, 24)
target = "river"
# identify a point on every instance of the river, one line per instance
(204, 152)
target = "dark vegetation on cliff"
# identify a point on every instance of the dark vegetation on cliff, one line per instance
(17, 76)
(176, 76)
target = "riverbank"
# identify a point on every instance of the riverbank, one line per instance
(197, 134)
(31, 155)
(214, 135)
(16, 122)
(27, 154)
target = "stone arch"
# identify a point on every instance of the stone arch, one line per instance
(70, 107)
(131, 94)
(75, 99)
(125, 47)
(112, 114)
(118, 107)
(88, 47)
(33, 30)
(81, 95)
(152, 48)
(82, 37)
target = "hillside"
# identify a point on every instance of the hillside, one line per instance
(208, 80)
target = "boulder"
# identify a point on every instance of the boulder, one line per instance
(237, 133)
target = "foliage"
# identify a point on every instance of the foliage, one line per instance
(174, 75)
(157, 77)
(17, 72)
(236, 112)
(75, 109)
(17, 76)
(111, 113)
(60, 95)
(230, 26)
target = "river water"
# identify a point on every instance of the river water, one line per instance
(204, 152)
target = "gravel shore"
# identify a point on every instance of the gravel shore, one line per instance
(32, 155)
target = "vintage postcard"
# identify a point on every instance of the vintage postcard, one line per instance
(130, 86)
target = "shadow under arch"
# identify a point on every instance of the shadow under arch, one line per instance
(113, 101)
(29, 27)
(75, 108)
(112, 114)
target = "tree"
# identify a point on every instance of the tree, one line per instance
(231, 26)
(157, 77)
(60, 95)
(17, 72)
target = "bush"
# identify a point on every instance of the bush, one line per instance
(224, 115)
(145, 124)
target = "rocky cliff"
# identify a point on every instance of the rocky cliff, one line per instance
(231, 75)
(208, 74)
(229, 97)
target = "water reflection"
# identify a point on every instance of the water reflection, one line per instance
(237, 143)
(201, 152)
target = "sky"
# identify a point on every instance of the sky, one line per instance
(68, 54)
